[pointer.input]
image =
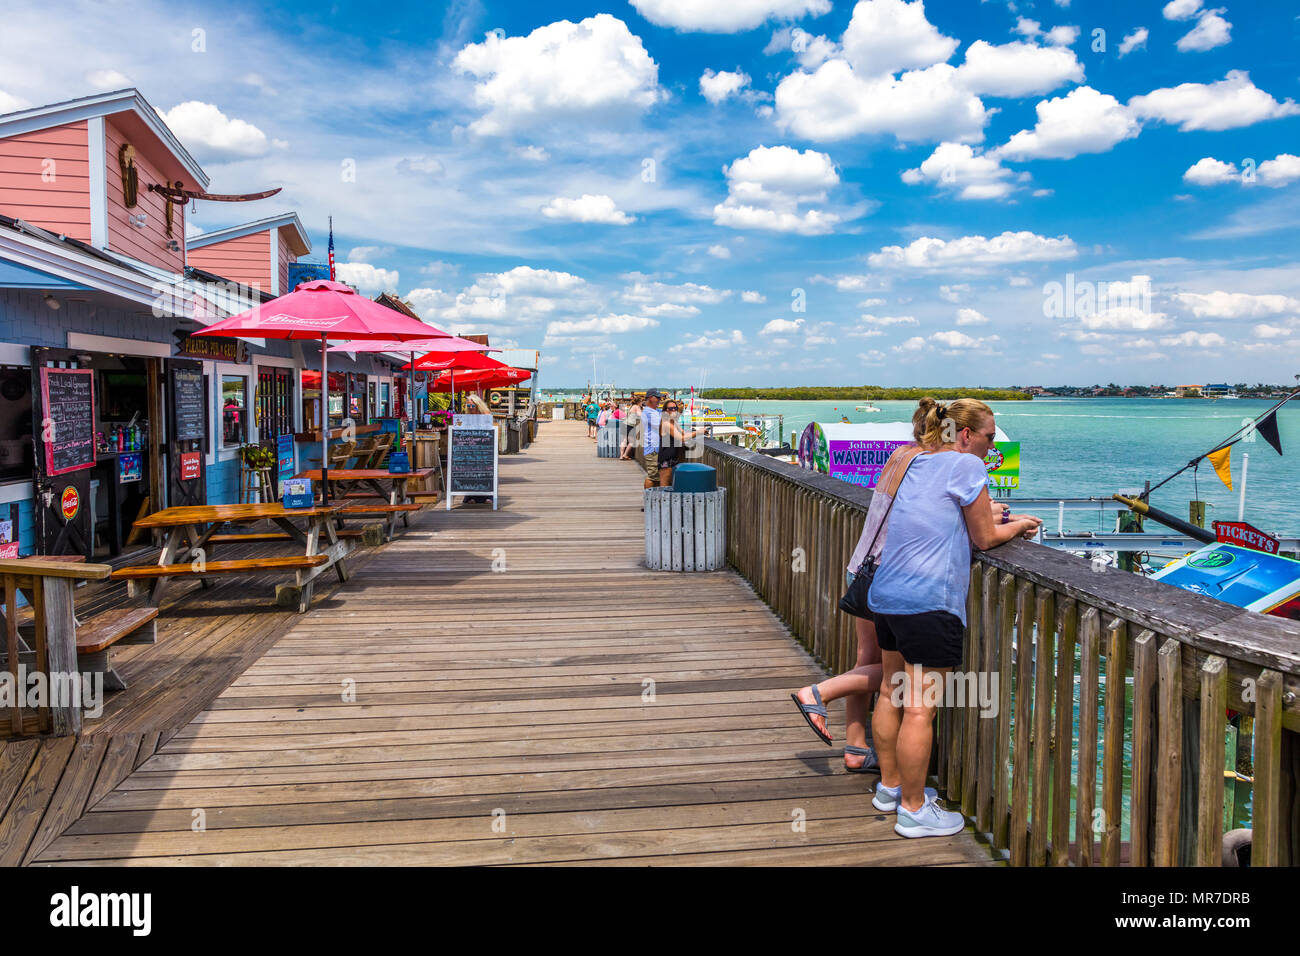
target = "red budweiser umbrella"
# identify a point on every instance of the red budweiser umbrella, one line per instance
(487, 378)
(323, 310)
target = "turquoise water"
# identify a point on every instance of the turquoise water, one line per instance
(1076, 447)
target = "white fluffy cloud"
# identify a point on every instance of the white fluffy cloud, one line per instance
(587, 208)
(971, 317)
(1211, 31)
(1229, 103)
(956, 166)
(754, 298)
(886, 36)
(835, 102)
(1137, 40)
(563, 70)
(1279, 171)
(1062, 36)
(781, 327)
(1181, 9)
(974, 251)
(688, 293)
(367, 278)
(890, 319)
(1198, 340)
(1017, 69)
(603, 324)
(766, 188)
(108, 79)
(716, 87)
(730, 17)
(711, 340)
(217, 135)
(1237, 305)
(1211, 172)
(1082, 121)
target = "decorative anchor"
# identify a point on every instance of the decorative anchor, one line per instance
(176, 194)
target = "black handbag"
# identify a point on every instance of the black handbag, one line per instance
(854, 600)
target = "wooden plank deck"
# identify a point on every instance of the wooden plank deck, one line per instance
(507, 687)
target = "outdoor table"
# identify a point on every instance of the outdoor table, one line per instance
(374, 478)
(190, 539)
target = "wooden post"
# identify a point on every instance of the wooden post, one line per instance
(1209, 818)
(987, 724)
(1089, 638)
(1112, 782)
(1067, 620)
(1045, 654)
(1144, 680)
(1002, 759)
(1022, 726)
(1266, 842)
(61, 654)
(1170, 756)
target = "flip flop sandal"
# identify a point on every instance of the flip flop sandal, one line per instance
(809, 710)
(869, 764)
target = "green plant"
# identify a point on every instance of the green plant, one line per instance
(255, 456)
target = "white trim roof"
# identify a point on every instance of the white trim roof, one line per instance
(288, 220)
(103, 104)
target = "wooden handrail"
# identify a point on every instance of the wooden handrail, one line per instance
(41, 568)
(791, 533)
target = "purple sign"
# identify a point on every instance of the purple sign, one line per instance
(859, 462)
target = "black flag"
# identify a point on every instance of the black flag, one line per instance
(1267, 429)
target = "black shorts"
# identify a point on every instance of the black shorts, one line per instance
(931, 639)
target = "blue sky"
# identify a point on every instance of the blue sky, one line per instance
(765, 192)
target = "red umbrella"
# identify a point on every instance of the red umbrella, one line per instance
(321, 309)
(486, 378)
(451, 345)
(441, 360)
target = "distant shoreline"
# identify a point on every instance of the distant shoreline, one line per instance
(866, 394)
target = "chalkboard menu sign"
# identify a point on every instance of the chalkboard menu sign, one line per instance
(472, 463)
(188, 400)
(68, 395)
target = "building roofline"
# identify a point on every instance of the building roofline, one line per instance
(288, 219)
(102, 104)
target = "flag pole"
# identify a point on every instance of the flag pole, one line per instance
(325, 413)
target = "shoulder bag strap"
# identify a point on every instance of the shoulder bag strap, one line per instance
(885, 517)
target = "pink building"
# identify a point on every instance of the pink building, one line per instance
(255, 253)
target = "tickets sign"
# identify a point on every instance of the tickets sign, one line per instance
(1239, 532)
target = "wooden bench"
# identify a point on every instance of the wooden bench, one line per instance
(240, 538)
(135, 625)
(286, 563)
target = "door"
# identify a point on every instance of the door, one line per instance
(187, 433)
(274, 408)
(63, 436)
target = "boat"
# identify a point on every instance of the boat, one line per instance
(867, 408)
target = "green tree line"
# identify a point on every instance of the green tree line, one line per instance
(869, 393)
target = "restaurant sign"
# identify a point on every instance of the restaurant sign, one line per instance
(1241, 533)
(211, 347)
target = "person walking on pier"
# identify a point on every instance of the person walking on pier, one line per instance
(918, 600)
(593, 413)
(631, 422)
(651, 418)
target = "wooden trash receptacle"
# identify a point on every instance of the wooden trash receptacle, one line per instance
(607, 441)
(685, 532)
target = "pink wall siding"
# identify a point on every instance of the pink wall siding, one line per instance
(286, 257)
(148, 244)
(61, 205)
(246, 259)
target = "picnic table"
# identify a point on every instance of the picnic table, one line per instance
(399, 503)
(192, 539)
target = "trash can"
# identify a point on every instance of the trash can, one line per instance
(685, 531)
(692, 477)
(607, 443)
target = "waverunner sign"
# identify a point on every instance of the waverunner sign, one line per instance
(1240, 533)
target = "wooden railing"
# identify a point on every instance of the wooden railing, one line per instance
(1039, 623)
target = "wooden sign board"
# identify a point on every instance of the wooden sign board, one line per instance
(68, 396)
(188, 399)
(472, 463)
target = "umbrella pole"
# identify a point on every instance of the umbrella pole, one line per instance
(325, 421)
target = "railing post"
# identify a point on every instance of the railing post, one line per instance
(1209, 823)
(1067, 620)
(1144, 681)
(1170, 774)
(1112, 782)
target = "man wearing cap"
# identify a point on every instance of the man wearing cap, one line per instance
(650, 419)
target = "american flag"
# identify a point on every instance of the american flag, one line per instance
(331, 248)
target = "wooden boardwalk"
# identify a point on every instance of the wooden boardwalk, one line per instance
(508, 687)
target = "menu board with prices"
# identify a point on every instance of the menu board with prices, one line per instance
(68, 428)
(188, 400)
(472, 463)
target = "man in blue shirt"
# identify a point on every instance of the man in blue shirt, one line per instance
(593, 412)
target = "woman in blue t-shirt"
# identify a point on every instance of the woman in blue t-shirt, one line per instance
(918, 599)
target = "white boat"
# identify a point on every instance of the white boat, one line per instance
(867, 408)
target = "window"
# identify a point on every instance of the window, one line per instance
(16, 450)
(385, 395)
(234, 410)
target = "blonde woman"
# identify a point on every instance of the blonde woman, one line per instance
(857, 685)
(918, 599)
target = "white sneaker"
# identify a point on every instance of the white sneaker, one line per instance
(886, 798)
(930, 820)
